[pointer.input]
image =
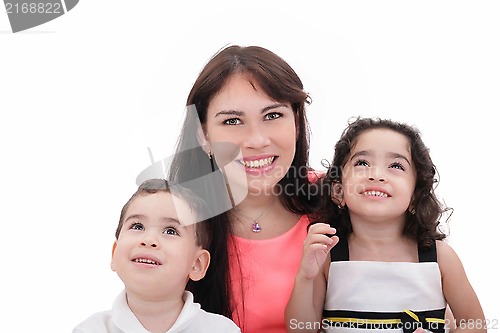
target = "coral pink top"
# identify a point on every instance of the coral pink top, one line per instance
(264, 278)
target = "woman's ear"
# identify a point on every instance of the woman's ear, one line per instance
(203, 141)
(297, 126)
(113, 256)
(337, 194)
(200, 265)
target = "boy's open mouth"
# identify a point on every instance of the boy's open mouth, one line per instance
(146, 261)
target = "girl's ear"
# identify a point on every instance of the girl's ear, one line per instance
(113, 256)
(337, 194)
(411, 206)
(200, 265)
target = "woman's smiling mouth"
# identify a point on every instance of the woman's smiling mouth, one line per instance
(258, 163)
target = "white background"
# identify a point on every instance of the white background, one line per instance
(83, 96)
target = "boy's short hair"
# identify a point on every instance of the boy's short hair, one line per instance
(195, 203)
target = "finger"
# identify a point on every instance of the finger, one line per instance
(335, 241)
(320, 238)
(419, 330)
(314, 248)
(317, 226)
(321, 228)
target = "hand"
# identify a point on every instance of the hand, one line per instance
(419, 330)
(318, 243)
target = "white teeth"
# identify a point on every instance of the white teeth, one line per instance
(376, 194)
(259, 163)
(145, 261)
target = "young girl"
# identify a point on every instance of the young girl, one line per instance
(386, 268)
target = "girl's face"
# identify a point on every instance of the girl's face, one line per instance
(379, 176)
(263, 129)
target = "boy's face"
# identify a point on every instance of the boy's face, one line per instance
(156, 252)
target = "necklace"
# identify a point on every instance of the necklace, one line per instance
(255, 221)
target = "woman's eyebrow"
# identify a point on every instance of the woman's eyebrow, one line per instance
(229, 112)
(274, 106)
(242, 113)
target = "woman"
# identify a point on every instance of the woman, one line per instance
(247, 112)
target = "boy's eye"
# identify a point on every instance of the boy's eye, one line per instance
(361, 163)
(137, 226)
(397, 165)
(232, 121)
(273, 115)
(170, 231)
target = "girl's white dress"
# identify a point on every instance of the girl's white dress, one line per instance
(367, 296)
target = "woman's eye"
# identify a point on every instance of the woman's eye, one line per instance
(361, 163)
(397, 166)
(137, 226)
(232, 121)
(170, 231)
(273, 115)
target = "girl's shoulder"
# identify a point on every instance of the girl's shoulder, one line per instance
(444, 250)
(448, 260)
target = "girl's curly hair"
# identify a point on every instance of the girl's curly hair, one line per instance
(423, 220)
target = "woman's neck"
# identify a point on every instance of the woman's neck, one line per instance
(256, 203)
(156, 316)
(272, 217)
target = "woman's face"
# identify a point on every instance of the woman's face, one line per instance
(263, 129)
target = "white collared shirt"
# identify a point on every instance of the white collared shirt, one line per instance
(120, 319)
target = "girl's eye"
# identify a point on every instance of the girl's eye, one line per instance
(170, 231)
(273, 115)
(397, 165)
(232, 121)
(137, 226)
(361, 163)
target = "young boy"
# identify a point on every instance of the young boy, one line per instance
(159, 247)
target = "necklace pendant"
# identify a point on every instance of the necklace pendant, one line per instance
(256, 227)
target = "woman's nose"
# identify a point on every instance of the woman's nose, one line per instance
(256, 137)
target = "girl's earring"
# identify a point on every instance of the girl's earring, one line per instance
(341, 205)
(337, 195)
(411, 209)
